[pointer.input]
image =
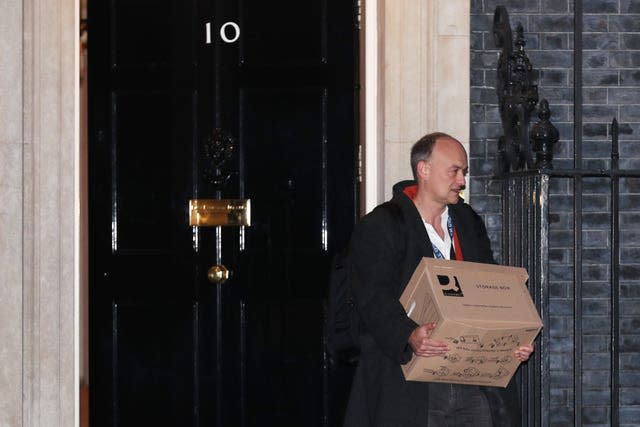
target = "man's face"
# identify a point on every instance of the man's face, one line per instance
(445, 171)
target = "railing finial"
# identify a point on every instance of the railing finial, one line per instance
(517, 94)
(544, 137)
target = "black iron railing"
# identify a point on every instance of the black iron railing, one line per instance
(525, 168)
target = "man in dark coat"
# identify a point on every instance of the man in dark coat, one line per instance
(424, 217)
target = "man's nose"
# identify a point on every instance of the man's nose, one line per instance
(461, 179)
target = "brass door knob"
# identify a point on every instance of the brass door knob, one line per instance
(218, 274)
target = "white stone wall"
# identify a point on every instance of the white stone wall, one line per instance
(11, 157)
(423, 70)
(38, 212)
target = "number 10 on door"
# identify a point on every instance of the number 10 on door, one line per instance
(229, 32)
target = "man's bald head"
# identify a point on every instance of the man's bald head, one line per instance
(423, 148)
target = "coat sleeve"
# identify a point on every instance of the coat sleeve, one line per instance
(375, 256)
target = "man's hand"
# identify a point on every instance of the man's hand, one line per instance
(523, 352)
(423, 345)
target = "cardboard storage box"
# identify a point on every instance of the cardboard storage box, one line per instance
(483, 311)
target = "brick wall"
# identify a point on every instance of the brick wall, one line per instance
(611, 88)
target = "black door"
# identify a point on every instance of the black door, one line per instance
(193, 100)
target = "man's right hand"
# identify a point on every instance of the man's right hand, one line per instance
(422, 344)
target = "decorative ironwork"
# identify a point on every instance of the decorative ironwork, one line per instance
(517, 95)
(526, 228)
(218, 152)
(544, 136)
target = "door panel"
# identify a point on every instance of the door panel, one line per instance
(271, 118)
(286, 392)
(151, 363)
(285, 165)
(284, 32)
(146, 171)
(285, 258)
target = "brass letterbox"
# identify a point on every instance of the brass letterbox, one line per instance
(215, 212)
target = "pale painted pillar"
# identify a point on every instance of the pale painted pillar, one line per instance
(38, 212)
(11, 202)
(417, 79)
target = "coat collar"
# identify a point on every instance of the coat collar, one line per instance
(403, 194)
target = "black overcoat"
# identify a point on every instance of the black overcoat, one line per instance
(385, 248)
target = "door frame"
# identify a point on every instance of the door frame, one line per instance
(39, 151)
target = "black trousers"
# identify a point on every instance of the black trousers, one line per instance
(456, 405)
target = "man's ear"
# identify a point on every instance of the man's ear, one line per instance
(423, 169)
